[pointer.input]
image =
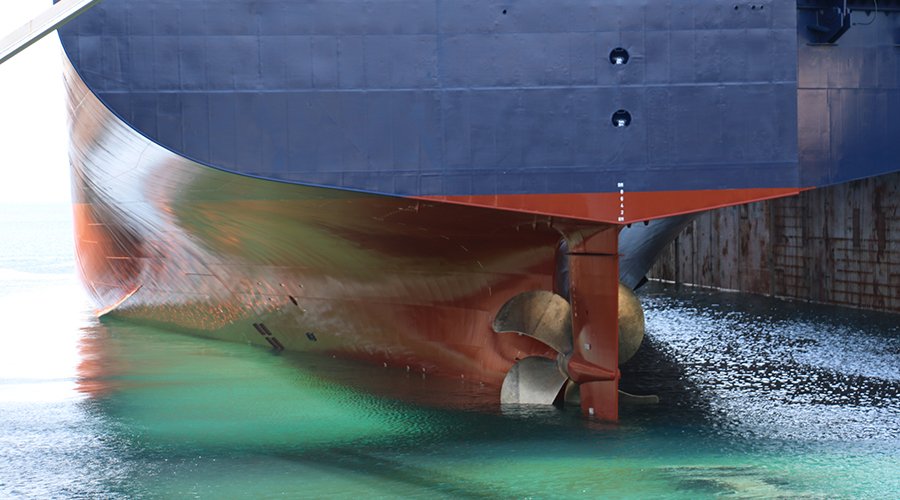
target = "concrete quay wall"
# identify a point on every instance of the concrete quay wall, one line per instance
(837, 245)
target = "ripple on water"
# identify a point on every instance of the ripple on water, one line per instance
(782, 371)
(759, 398)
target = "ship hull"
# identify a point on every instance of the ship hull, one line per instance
(380, 181)
(396, 282)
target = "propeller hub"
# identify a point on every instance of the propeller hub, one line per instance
(580, 371)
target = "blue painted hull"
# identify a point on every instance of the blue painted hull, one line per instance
(458, 98)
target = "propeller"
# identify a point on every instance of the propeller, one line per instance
(532, 381)
(547, 317)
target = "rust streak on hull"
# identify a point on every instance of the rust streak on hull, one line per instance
(406, 283)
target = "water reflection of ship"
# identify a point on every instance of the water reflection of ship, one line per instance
(397, 187)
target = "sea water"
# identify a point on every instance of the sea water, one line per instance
(759, 398)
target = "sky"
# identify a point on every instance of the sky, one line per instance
(33, 131)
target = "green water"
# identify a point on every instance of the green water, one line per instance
(760, 399)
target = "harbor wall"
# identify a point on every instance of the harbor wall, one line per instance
(837, 245)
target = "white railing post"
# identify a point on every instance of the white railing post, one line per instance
(54, 17)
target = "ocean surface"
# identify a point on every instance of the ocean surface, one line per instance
(759, 398)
